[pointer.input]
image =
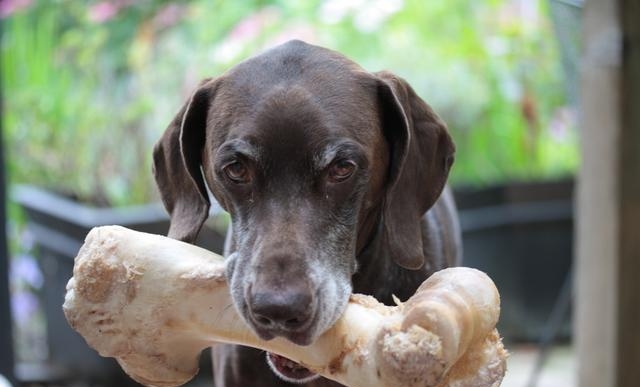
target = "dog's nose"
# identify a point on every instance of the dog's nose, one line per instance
(286, 309)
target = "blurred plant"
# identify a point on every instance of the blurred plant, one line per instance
(53, 110)
(26, 281)
(490, 69)
(91, 85)
(7, 7)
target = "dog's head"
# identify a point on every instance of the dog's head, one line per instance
(307, 152)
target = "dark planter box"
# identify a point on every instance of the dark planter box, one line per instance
(59, 226)
(521, 234)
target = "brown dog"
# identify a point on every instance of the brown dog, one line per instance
(332, 177)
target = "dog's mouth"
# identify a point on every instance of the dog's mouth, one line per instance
(289, 370)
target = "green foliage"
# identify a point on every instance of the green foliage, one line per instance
(90, 85)
(65, 126)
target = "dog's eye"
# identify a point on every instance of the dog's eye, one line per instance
(237, 172)
(341, 170)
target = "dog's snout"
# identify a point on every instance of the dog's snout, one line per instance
(286, 309)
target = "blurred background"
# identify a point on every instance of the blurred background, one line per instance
(89, 86)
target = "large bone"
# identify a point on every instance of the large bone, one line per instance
(154, 304)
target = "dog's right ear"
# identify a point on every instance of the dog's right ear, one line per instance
(421, 155)
(177, 158)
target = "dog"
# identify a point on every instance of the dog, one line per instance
(335, 182)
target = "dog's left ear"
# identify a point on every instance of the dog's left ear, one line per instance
(177, 157)
(422, 153)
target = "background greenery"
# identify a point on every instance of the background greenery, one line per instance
(90, 85)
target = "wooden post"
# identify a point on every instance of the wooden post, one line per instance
(628, 352)
(608, 198)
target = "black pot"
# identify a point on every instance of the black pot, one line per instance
(521, 234)
(59, 226)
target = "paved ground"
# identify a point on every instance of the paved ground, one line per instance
(559, 370)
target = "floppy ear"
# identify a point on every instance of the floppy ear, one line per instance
(421, 155)
(177, 157)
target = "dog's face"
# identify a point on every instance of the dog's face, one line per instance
(307, 152)
(297, 182)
